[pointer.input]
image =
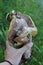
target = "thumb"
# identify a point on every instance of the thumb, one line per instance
(26, 47)
(23, 49)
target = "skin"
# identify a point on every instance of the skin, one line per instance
(14, 56)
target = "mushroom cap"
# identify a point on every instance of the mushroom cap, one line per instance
(31, 29)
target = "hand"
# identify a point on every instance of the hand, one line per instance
(14, 55)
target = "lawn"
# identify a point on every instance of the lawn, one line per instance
(34, 8)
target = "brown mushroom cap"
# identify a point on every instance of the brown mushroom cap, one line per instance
(29, 22)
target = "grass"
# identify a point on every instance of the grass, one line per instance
(34, 8)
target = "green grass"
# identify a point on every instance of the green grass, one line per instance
(34, 8)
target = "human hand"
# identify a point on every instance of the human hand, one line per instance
(14, 55)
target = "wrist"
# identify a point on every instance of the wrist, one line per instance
(4, 63)
(8, 62)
